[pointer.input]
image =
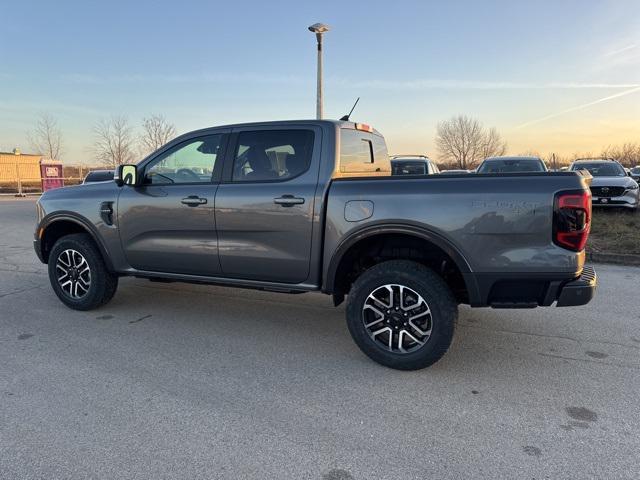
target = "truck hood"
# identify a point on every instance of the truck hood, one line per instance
(81, 191)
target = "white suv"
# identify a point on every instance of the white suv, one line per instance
(611, 185)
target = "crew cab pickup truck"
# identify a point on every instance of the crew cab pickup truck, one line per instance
(300, 206)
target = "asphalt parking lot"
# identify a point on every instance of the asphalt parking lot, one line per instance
(184, 381)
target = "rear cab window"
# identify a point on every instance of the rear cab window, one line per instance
(362, 153)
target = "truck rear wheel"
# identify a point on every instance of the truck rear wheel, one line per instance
(78, 274)
(402, 315)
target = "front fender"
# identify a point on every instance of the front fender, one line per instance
(50, 221)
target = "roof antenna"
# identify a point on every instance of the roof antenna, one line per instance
(346, 117)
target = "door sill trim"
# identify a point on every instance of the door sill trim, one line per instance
(225, 282)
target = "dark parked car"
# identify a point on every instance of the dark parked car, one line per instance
(98, 176)
(512, 165)
(413, 165)
(635, 173)
(611, 185)
(303, 206)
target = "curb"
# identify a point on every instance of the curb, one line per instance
(615, 258)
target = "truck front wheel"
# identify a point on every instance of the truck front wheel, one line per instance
(78, 274)
(402, 315)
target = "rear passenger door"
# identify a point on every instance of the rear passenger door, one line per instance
(264, 206)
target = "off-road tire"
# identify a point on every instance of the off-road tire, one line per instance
(103, 283)
(434, 291)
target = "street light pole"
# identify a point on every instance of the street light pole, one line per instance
(319, 29)
(319, 97)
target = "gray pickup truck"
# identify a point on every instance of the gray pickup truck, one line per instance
(302, 206)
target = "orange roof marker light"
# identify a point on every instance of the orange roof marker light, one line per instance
(364, 127)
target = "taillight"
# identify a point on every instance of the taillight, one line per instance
(572, 219)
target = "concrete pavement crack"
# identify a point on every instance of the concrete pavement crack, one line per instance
(559, 337)
(16, 292)
(611, 364)
(28, 272)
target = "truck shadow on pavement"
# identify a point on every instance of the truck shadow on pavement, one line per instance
(307, 329)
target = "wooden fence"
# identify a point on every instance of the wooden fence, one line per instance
(20, 174)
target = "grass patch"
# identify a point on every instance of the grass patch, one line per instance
(615, 231)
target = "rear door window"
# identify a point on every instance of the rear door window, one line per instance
(272, 155)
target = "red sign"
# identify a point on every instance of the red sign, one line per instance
(51, 174)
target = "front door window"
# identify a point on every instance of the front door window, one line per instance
(189, 162)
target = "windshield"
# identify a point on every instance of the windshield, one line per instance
(601, 169)
(511, 166)
(407, 167)
(635, 170)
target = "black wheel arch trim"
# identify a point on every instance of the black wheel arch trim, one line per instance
(416, 231)
(55, 217)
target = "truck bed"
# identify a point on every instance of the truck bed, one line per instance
(498, 227)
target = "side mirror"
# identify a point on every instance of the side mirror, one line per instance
(126, 175)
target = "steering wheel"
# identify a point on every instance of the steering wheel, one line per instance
(188, 174)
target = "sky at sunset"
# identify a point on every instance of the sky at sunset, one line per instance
(552, 76)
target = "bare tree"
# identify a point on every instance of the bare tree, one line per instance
(113, 141)
(466, 142)
(46, 137)
(531, 153)
(627, 154)
(578, 155)
(552, 160)
(156, 131)
(493, 145)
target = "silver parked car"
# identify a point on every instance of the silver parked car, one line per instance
(611, 186)
(99, 176)
(635, 173)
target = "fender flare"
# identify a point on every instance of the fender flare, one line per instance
(419, 232)
(68, 216)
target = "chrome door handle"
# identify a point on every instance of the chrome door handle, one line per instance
(288, 200)
(194, 201)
